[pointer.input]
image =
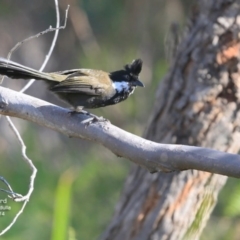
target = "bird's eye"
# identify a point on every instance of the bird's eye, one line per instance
(127, 77)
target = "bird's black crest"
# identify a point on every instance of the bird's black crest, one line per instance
(135, 67)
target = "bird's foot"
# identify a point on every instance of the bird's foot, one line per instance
(89, 121)
(94, 119)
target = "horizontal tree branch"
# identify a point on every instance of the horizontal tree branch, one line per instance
(150, 155)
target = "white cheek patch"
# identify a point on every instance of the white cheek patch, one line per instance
(121, 86)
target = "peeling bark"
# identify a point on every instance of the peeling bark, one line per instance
(196, 104)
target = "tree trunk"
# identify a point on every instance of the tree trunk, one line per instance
(196, 104)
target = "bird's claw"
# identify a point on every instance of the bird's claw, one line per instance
(89, 121)
(94, 119)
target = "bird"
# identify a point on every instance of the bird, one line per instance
(82, 88)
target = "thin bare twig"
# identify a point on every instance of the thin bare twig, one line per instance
(53, 42)
(28, 160)
(50, 29)
(9, 187)
(12, 195)
(18, 197)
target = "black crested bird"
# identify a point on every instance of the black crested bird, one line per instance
(83, 88)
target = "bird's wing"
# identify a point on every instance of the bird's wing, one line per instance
(84, 81)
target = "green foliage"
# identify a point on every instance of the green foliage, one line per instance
(206, 204)
(57, 207)
(62, 205)
(224, 222)
(231, 195)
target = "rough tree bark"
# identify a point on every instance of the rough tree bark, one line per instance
(196, 104)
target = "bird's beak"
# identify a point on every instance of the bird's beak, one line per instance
(138, 83)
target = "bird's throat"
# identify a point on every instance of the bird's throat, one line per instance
(122, 87)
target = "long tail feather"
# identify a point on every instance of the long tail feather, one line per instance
(15, 71)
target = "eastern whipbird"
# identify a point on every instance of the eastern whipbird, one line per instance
(83, 88)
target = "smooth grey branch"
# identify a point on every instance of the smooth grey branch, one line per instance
(150, 155)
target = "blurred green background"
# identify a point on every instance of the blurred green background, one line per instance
(78, 182)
